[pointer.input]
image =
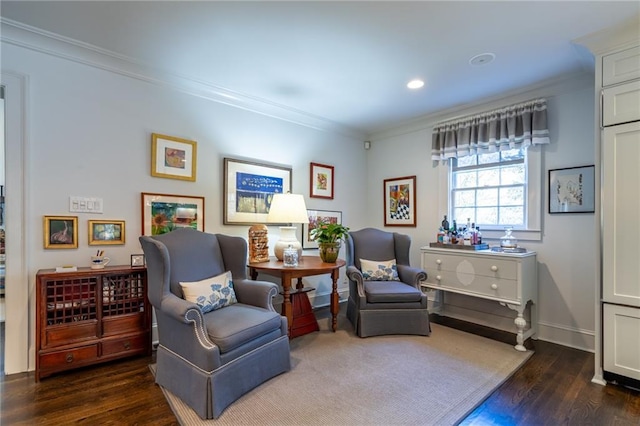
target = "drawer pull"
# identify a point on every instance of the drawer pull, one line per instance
(494, 268)
(494, 286)
(127, 345)
(69, 358)
(439, 262)
(438, 277)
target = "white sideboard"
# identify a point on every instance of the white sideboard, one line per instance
(508, 278)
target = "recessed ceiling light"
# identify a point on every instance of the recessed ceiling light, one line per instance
(482, 59)
(415, 84)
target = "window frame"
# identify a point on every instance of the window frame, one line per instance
(534, 204)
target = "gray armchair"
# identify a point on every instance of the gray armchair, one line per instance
(377, 307)
(211, 359)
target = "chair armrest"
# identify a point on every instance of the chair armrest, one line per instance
(177, 308)
(355, 275)
(411, 275)
(256, 293)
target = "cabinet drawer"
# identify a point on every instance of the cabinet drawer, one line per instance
(487, 287)
(621, 66)
(58, 335)
(122, 324)
(621, 338)
(135, 343)
(470, 265)
(61, 360)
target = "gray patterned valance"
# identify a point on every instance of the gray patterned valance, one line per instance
(510, 127)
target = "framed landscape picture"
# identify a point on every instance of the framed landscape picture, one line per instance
(162, 213)
(400, 201)
(249, 188)
(106, 232)
(315, 217)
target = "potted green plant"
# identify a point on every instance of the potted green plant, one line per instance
(329, 237)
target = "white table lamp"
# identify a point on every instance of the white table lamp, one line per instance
(290, 209)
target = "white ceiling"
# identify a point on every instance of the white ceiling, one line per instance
(345, 62)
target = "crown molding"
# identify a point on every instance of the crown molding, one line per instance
(28, 37)
(546, 89)
(618, 37)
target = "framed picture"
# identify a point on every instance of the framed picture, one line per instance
(572, 190)
(249, 188)
(400, 201)
(173, 158)
(60, 232)
(315, 217)
(162, 213)
(321, 181)
(106, 232)
(137, 260)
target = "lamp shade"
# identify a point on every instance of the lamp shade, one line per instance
(288, 208)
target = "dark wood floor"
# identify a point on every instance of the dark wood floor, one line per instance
(553, 388)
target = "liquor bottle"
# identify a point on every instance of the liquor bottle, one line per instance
(474, 234)
(479, 235)
(445, 223)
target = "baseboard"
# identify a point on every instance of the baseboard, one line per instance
(567, 336)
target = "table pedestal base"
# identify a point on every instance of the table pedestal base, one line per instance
(304, 320)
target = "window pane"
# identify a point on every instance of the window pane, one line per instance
(512, 196)
(512, 154)
(489, 177)
(469, 160)
(465, 198)
(487, 216)
(512, 174)
(461, 215)
(465, 179)
(511, 216)
(494, 157)
(487, 197)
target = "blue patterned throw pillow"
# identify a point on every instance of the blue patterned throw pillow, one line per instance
(211, 293)
(379, 270)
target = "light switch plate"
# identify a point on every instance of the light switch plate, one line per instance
(85, 204)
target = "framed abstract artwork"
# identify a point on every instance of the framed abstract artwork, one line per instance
(572, 190)
(315, 217)
(321, 181)
(162, 213)
(173, 158)
(60, 232)
(249, 188)
(106, 232)
(400, 201)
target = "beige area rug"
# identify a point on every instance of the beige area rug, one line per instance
(341, 379)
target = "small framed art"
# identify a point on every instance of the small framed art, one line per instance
(572, 190)
(106, 232)
(400, 201)
(162, 213)
(60, 232)
(137, 260)
(249, 188)
(321, 181)
(315, 217)
(173, 158)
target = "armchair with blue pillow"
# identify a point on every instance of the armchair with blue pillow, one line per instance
(219, 335)
(384, 290)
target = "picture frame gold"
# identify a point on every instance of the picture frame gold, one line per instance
(60, 232)
(162, 213)
(106, 232)
(400, 201)
(173, 158)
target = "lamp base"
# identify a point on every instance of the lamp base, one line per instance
(287, 238)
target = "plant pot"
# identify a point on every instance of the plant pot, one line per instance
(329, 251)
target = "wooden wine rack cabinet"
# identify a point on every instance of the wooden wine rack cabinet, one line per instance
(90, 316)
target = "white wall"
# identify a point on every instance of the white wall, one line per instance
(90, 135)
(566, 254)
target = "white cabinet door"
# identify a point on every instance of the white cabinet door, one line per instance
(621, 214)
(621, 66)
(622, 340)
(621, 104)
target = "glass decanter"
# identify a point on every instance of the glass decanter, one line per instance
(508, 241)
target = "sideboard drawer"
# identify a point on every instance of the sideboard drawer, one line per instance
(485, 266)
(70, 357)
(493, 288)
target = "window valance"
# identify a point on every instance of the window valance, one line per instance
(511, 127)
